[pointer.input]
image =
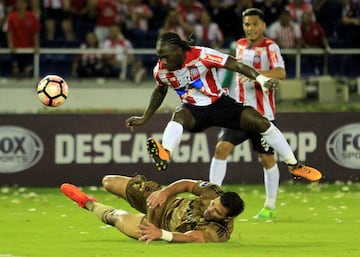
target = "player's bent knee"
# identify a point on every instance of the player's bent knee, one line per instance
(263, 124)
(106, 181)
(116, 184)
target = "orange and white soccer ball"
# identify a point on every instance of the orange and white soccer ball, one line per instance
(52, 90)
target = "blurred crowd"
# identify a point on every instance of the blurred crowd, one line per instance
(131, 24)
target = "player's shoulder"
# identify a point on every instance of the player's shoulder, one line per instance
(195, 50)
(207, 54)
(242, 41)
(199, 49)
(209, 189)
(267, 42)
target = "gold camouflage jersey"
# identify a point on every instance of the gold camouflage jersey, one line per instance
(185, 214)
(180, 214)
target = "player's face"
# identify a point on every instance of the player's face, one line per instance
(215, 211)
(254, 29)
(171, 56)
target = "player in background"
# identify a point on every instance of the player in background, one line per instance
(22, 28)
(264, 55)
(208, 217)
(191, 72)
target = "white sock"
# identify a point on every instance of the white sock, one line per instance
(217, 171)
(172, 136)
(276, 140)
(271, 181)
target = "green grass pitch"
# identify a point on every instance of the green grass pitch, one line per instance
(313, 220)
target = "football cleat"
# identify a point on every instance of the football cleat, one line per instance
(266, 213)
(74, 193)
(158, 153)
(306, 172)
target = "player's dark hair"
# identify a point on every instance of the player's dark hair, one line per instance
(233, 202)
(172, 38)
(253, 12)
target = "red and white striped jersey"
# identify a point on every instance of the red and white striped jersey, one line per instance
(196, 82)
(264, 56)
(122, 45)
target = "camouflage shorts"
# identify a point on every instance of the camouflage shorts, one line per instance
(138, 190)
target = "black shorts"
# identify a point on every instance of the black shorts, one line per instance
(224, 113)
(237, 137)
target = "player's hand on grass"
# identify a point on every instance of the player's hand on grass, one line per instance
(157, 198)
(148, 231)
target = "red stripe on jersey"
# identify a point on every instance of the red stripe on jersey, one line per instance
(241, 92)
(172, 79)
(272, 56)
(190, 100)
(192, 55)
(259, 98)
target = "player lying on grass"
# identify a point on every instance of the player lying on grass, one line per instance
(163, 214)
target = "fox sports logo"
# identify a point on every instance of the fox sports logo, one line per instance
(343, 146)
(20, 149)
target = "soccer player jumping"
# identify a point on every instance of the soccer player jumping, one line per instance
(191, 72)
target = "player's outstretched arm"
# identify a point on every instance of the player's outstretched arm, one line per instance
(275, 73)
(150, 233)
(157, 97)
(250, 72)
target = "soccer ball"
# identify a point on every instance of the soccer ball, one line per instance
(52, 90)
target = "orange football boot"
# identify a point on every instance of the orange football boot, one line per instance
(74, 193)
(160, 155)
(306, 172)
